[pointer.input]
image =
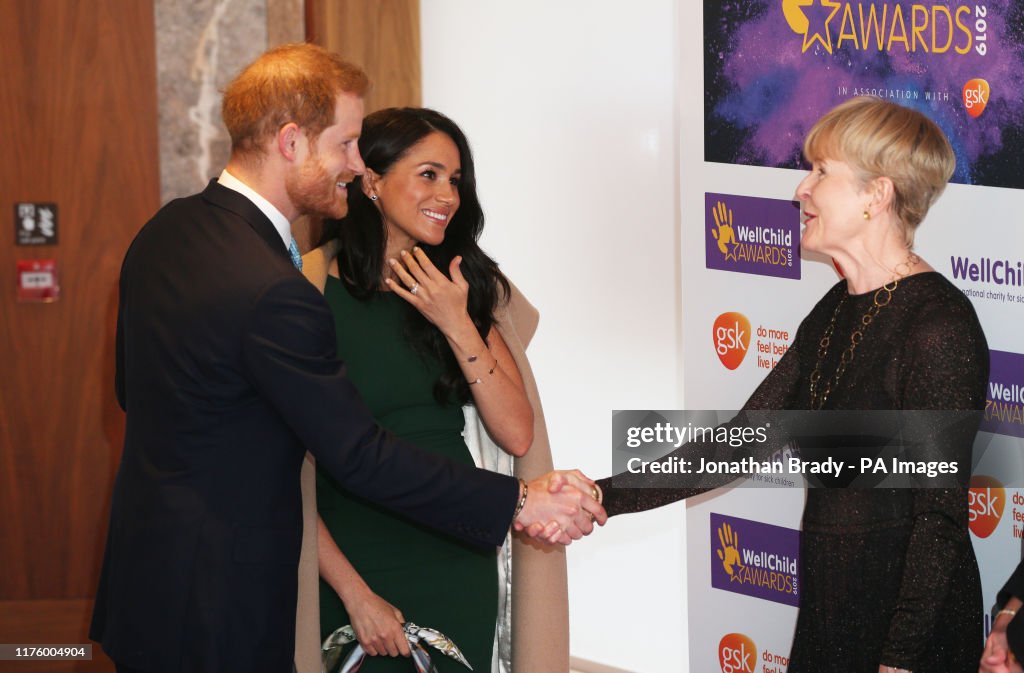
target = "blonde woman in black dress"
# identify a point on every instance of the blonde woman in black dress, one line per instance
(890, 583)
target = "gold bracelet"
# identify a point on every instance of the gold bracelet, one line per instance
(489, 373)
(522, 499)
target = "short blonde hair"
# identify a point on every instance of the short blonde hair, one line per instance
(882, 139)
(291, 83)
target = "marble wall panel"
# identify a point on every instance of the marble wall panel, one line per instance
(201, 45)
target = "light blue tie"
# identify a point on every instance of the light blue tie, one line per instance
(293, 250)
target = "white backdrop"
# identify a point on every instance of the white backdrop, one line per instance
(586, 119)
(570, 110)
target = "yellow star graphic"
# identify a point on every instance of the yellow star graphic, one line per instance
(814, 33)
(791, 9)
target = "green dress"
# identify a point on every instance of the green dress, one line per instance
(436, 581)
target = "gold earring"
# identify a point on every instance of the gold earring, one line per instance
(867, 215)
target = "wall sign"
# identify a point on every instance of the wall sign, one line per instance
(37, 280)
(35, 224)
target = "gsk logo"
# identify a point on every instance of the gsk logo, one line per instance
(985, 505)
(976, 95)
(737, 654)
(731, 335)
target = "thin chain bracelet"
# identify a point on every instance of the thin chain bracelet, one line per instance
(489, 373)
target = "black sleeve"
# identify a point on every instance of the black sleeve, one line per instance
(1015, 637)
(1014, 588)
(289, 353)
(625, 493)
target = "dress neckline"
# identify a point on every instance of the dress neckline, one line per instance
(377, 293)
(871, 293)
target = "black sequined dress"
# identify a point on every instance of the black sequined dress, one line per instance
(888, 576)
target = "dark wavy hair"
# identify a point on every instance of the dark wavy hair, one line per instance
(387, 136)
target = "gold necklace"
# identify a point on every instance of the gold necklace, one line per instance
(882, 298)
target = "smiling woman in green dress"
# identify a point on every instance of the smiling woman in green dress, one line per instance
(413, 298)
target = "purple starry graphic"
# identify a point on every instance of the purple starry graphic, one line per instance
(763, 92)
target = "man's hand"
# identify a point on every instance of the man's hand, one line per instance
(560, 507)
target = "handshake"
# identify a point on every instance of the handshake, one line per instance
(559, 507)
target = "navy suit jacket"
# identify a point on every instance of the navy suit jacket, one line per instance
(226, 368)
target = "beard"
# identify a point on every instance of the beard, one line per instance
(313, 192)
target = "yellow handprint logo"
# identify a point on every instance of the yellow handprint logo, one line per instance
(729, 554)
(724, 233)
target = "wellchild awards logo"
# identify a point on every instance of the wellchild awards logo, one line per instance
(752, 235)
(1004, 401)
(755, 559)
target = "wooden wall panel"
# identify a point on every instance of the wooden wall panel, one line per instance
(286, 22)
(382, 37)
(78, 100)
(49, 622)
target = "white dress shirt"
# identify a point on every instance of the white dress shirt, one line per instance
(276, 217)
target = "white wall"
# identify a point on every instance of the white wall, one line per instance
(570, 108)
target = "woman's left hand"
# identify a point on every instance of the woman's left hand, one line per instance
(441, 301)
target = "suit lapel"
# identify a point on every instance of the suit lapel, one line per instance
(230, 200)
